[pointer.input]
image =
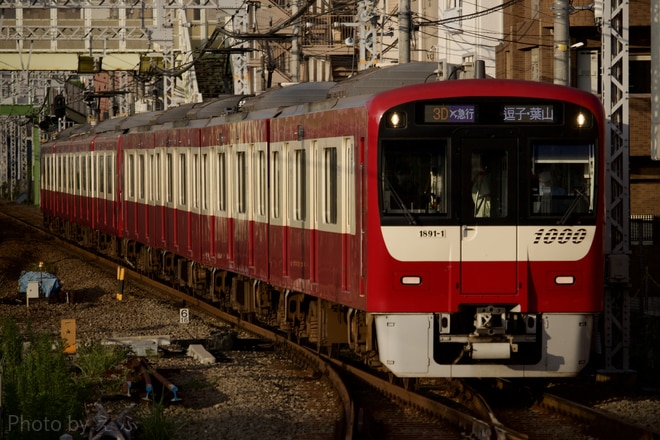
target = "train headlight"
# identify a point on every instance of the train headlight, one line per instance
(395, 120)
(582, 120)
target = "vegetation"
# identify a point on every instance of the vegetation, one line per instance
(39, 395)
(44, 393)
(95, 359)
(155, 425)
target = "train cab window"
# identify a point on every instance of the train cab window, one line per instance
(562, 179)
(414, 178)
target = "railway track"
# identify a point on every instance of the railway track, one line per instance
(373, 407)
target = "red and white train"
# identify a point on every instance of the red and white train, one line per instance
(437, 229)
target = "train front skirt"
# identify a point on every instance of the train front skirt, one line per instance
(563, 343)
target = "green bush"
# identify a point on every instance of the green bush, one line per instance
(95, 359)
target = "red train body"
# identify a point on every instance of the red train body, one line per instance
(408, 221)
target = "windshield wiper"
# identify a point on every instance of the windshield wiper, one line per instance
(399, 201)
(578, 195)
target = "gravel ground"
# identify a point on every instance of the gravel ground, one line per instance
(248, 393)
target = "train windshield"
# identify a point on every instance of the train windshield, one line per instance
(555, 179)
(414, 177)
(562, 180)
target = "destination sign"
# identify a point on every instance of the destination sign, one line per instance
(529, 113)
(451, 113)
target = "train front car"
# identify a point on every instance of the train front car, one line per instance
(486, 255)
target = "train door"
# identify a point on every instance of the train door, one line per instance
(488, 217)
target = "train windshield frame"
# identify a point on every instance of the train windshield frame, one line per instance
(535, 172)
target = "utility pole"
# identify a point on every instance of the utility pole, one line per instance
(295, 44)
(404, 31)
(655, 80)
(561, 42)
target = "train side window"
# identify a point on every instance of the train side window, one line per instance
(262, 189)
(153, 173)
(77, 159)
(222, 181)
(196, 177)
(63, 173)
(156, 177)
(300, 185)
(241, 181)
(277, 184)
(58, 172)
(330, 185)
(204, 196)
(169, 198)
(183, 179)
(109, 174)
(45, 172)
(83, 174)
(130, 176)
(141, 177)
(70, 171)
(101, 174)
(348, 190)
(90, 167)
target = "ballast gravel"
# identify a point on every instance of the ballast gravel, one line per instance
(248, 393)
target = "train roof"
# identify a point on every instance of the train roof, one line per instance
(301, 93)
(378, 80)
(296, 98)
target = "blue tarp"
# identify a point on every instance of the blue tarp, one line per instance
(50, 284)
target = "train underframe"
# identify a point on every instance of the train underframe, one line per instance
(485, 341)
(325, 325)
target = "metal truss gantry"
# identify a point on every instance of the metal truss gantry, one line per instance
(615, 97)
